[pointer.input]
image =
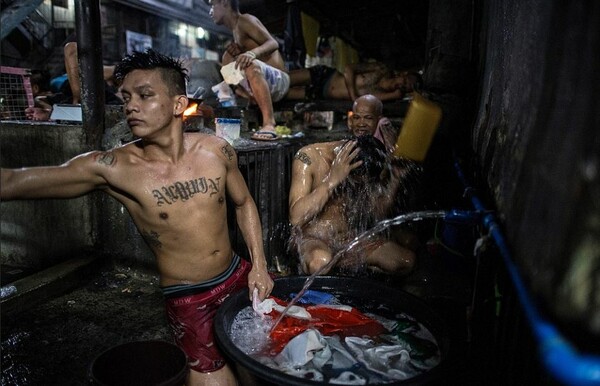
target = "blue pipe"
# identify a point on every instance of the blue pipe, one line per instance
(561, 359)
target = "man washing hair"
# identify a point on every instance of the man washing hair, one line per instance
(340, 189)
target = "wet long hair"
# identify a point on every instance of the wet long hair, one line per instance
(373, 156)
(172, 71)
(371, 179)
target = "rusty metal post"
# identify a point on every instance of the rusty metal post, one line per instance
(89, 53)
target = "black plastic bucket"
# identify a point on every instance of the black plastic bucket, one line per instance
(365, 295)
(148, 363)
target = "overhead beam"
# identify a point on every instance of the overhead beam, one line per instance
(15, 13)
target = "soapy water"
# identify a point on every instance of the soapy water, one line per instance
(356, 242)
(405, 350)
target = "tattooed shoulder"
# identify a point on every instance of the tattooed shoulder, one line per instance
(303, 157)
(105, 158)
(228, 151)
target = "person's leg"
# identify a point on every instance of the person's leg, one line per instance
(299, 77)
(392, 258)
(221, 377)
(314, 255)
(262, 95)
(72, 67)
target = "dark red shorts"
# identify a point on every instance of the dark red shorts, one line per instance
(191, 319)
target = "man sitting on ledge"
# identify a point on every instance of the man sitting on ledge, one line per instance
(256, 53)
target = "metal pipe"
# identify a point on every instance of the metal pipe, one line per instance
(89, 54)
(559, 356)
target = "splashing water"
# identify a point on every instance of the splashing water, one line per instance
(365, 236)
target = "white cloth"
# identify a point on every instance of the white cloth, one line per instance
(223, 91)
(313, 351)
(268, 305)
(393, 361)
(301, 349)
(231, 74)
(348, 378)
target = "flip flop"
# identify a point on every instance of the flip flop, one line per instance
(259, 136)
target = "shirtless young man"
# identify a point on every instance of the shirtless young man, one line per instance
(174, 185)
(255, 52)
(322, 212)
(322, 82)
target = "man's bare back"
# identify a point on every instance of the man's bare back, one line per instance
(365, 84)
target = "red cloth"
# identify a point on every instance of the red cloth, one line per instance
(327, 320)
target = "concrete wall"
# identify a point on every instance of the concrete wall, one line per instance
(41, 233)
(536, 140)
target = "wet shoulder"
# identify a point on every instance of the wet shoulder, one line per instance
(316, 152)
(119, 156)
(201, 144)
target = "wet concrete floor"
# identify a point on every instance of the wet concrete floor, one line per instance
(55, 342)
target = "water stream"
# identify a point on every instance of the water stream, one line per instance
(363, 237)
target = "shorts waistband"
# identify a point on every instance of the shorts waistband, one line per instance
(179, 290)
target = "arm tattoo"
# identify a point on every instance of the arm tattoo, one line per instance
(152, 239)
(303, 157)
(227, 151)
(107, 158)
(184, 190)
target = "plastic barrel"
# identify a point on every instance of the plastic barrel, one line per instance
(148, 363)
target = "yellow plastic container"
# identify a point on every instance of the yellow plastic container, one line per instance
(420, 124)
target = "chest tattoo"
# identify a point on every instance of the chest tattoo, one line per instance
(184, 190)
(303, 157)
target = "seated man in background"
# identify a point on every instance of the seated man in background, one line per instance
(40, 88)
(256, 53)
(342, 188)
(322, 82)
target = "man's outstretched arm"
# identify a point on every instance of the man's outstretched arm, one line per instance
(71, 179)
